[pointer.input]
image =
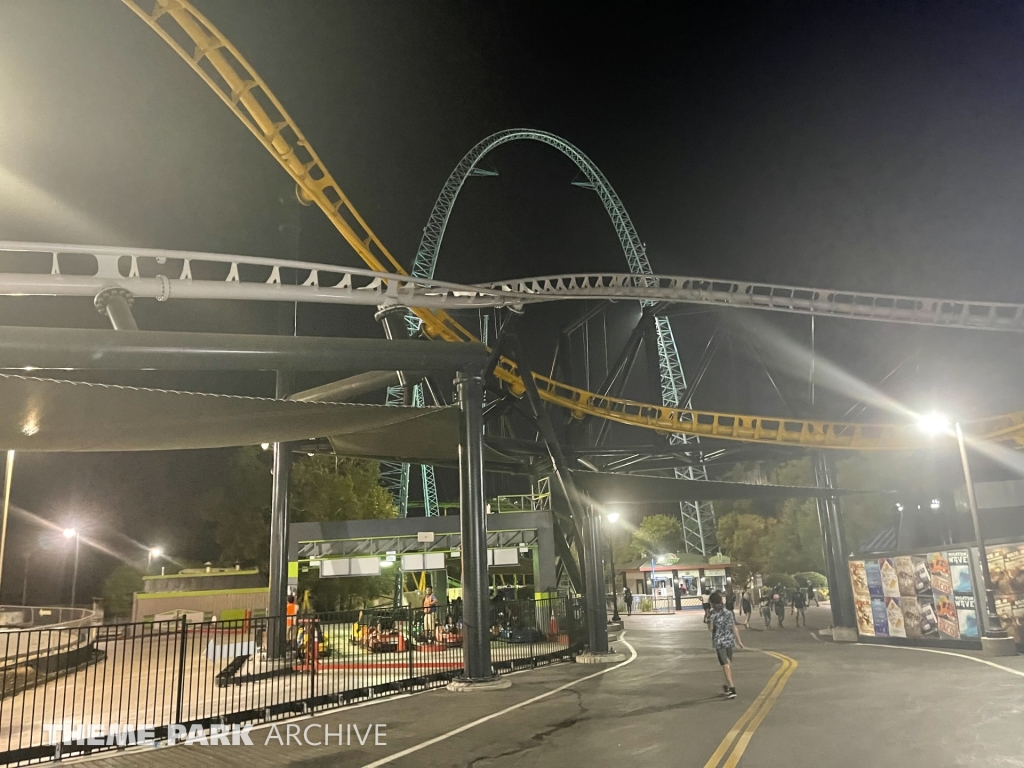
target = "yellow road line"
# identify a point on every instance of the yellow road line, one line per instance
(744, 739)
(723, 747)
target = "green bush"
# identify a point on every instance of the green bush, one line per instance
(780, 580)
(811, 579)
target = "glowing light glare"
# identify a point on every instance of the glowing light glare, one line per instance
(386, 563)
(156, 552)
(70, 533)
(265, 446)
(30, 427)
(899, 507)
(25, 198)
(613, 517)
(935, 504)
(933, 423)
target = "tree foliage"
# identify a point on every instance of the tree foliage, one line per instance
(118, 589)
(322, 488)
(657, 535)
(784, 537)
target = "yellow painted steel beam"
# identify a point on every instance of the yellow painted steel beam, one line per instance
(225, 70)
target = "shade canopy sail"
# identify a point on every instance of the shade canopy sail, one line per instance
(49, 415)
(609, 488)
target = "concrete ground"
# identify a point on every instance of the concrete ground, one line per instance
(837, 705)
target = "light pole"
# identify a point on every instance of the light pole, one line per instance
(8, 478)
(24, 578)
(612, 517)
(934, 424)
(68, 534)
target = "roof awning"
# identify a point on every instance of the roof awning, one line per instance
(610, 488)
(50, 415)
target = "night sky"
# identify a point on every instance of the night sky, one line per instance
(855, 146)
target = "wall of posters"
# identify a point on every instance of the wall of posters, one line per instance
(925, 596)
(1006, 566)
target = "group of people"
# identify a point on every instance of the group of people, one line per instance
(774, 603)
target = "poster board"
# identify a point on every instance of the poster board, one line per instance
(1006, 567)
(920, 596)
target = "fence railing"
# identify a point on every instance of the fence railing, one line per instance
(25, 616)
(163, 673)
(647, 604)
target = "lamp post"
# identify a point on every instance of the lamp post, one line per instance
(612, 517)
(8, 478)
(24, 577)
(68, 534)
(934, 423)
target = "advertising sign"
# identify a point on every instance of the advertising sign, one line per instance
(1006, 565)
(862, 599)
(924, 596)
(890, 582)
(894, 615)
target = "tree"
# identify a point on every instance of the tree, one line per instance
(322, 488)
(118, 588)
(745, 538)
(239, 509)
(657, 535)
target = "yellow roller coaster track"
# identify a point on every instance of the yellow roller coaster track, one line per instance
(226, 71)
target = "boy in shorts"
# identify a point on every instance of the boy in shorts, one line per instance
(725, 636)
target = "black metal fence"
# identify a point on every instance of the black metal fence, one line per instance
(220, 673)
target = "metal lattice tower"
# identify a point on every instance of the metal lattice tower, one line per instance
(395, 475)
(698, 518)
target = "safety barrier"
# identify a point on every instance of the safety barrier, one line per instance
(220, 673)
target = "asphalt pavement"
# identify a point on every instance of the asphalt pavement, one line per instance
(803, 701)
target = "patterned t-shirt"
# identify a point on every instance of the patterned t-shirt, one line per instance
(722, 623)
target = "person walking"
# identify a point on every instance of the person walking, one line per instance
(746, 607)
(627, 598)
(780, 608)
(812, 594)
(800, 607)
(705, 599)
(766, 612)
(730, 601)
(725, 636)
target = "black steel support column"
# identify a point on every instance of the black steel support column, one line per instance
(476, 631)
(836, 569)
(276, 639)
(597, 619)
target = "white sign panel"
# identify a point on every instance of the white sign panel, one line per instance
(433, 561)
(714, 571)
(503, 556)
(365, 566)
(412, 562)
(336, 567)
(425, 537)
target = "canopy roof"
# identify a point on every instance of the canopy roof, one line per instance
(50, 415)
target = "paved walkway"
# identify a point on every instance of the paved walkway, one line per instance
(840, 705)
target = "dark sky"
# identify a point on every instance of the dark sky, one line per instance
(873, 146)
